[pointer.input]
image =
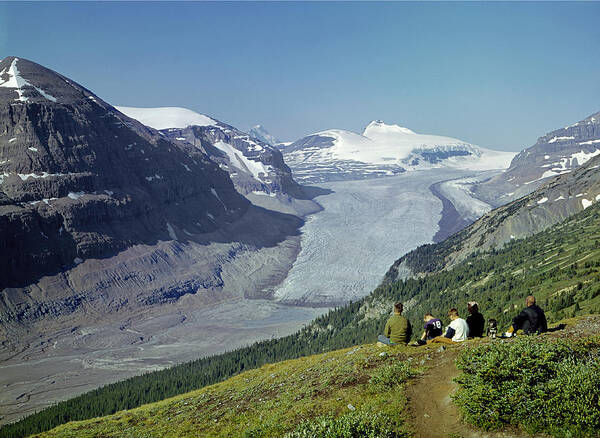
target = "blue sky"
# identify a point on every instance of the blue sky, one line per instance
(495, 74)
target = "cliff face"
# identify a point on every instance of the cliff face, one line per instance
(80, 180)
(98, 210)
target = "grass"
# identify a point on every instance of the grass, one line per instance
(273, 400)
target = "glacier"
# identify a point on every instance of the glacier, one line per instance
(364, 227)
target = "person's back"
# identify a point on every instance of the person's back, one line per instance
(457, 331)
(433, 328)
(461, 329)
(537, 320)
(397, 329)
(531, 319)
(476, 323)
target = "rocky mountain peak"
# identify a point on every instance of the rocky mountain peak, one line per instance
(556, 153)
(78, 174)
(24, 81)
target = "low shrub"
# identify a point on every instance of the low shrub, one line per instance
(390, 376)
(353, 424)
(542, 386)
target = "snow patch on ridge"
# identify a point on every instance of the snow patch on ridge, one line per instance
(167, 117)
(555, 139)
(237, 159)
(17, 82)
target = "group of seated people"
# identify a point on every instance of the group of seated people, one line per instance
(398, 329)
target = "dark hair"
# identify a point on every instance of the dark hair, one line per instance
(398, 307)
(452, 312)
(427, 314)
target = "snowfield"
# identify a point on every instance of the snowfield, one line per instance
(383, 150)
(167, 117)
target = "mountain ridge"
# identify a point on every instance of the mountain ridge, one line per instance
(383, 150)
(256, 168)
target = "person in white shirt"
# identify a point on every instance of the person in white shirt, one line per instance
(457, 331)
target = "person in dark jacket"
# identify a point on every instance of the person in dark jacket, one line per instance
(475, 320)
(531, 320)
(432, 329)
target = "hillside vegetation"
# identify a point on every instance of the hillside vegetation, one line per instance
(505, 383)
(361, 392)
(560, 266)
(359, 389)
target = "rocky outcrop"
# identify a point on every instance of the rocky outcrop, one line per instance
(260, 133)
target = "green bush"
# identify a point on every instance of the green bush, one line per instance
(389, 376)
(353, 424)
(539, 385)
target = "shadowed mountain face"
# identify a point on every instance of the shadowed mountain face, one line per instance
(95, 204)
(80, 180)
(556, 153)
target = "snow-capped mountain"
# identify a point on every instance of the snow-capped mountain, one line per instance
(259, 132)
(381, 150)
(256, 168)
(556, 153)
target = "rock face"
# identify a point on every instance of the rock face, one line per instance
(99, 211)
(383, 150)
(556, 153)
(256, 168)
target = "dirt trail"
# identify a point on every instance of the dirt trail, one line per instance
(432, 412)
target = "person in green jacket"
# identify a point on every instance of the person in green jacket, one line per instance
(397, 328)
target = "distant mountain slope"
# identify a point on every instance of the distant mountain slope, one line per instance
(555, 153)
(103, 217)
(259, 132)
(256, 168)
(552, 203)
(383, 150)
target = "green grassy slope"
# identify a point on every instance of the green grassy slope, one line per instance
(561, 266)
(358, 383)
(360, 391)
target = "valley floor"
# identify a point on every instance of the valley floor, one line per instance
(346, 250)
